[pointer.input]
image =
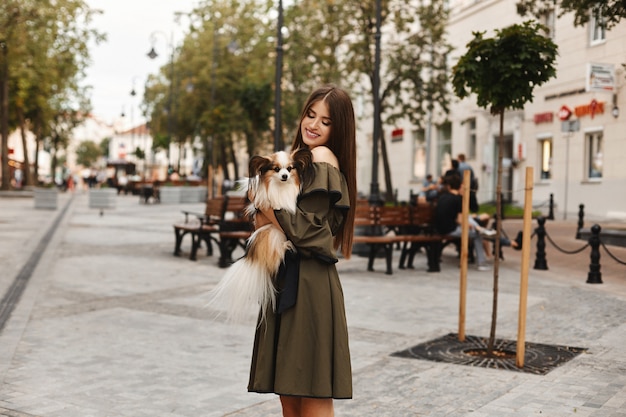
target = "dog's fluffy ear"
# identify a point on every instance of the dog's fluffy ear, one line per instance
(256, 165)
(303, 162)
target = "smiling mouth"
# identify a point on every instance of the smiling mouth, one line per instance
(312, 134)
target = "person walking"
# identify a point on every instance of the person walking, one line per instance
(464, 166)
(301, 350)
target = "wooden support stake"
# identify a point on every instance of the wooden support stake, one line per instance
(523, 294)
(464, 249)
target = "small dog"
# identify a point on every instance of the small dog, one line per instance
(274, 182)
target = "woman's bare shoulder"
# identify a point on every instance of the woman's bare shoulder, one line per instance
(324, 154)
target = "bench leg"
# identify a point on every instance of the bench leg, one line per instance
(433, 251)
(227, 246)
(389, 257)
(195, 244)
(179, 234)
(403, 254)
(209, 247)
(370, 257)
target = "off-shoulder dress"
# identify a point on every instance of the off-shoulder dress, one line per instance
(303, 351)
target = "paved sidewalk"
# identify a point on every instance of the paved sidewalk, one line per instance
(109, 323)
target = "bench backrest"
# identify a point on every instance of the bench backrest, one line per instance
(235, 218)
(214, 209)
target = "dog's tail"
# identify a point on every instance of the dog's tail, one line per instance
(244, 287)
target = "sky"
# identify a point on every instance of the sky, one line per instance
(121, 63)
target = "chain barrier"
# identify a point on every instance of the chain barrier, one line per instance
(594, 276)
(568, 252)
(611, 255)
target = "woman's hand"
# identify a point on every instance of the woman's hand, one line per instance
(260, 220)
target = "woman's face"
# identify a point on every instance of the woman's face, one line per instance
(316, 125)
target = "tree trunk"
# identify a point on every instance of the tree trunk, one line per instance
(388, 186)
(37, 131)
(4, 117)
(26, 167)
(496, 257)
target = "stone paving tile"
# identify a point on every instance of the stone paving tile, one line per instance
(113, 325)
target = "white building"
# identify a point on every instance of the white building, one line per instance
(585, 166)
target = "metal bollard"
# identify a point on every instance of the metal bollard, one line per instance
(595, 276)
(551, 212)
(581, 219)
(540, 256)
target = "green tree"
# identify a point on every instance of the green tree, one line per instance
(224, 54)
(610, 11)
(335, 42)
(87, 153)
(502, 72)
(44, 56)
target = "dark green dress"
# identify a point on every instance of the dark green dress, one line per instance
(304, 350)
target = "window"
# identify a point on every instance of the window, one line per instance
(547, 19)
(593, 157)
(597, 27)
(419, 154)
(545, 158)
(471, 139)
(444, 147)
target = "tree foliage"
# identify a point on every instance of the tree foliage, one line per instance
(46, 55)
(87, 153)
(335, 42)
(611, 11)
(224, 56)
(503, 71)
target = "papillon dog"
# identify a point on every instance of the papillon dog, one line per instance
(274, 182)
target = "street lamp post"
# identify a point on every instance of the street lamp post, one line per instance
(152, 55)
(374, 188)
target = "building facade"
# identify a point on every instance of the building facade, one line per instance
(572, 133)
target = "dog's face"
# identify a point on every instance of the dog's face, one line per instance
(281, 166)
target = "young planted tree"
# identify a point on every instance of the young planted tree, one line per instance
(502, 72)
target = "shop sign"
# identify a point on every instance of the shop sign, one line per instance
(396, 135)
(543, 117)
(564, 113)
(591, 109)
(600, 77)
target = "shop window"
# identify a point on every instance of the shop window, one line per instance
(594, 155)
(545, 158)
(419, 154)
(471, 139)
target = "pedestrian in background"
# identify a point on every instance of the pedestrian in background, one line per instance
(464, 166)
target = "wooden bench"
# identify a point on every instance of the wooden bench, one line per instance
(410, 226)
(234, 230)
(200, 226)
(222, 214)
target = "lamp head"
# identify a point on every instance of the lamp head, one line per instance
(152, 54)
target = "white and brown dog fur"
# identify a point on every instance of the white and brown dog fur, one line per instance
(274, 182)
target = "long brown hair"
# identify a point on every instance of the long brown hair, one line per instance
(342, 142)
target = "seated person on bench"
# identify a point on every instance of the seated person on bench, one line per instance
(448, 221)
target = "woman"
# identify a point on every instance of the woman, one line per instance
(301, 350)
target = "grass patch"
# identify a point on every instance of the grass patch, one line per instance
(510, 210)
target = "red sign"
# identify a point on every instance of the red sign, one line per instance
(564, 113)
(593, 108)
(396, 135)
(543, 117)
